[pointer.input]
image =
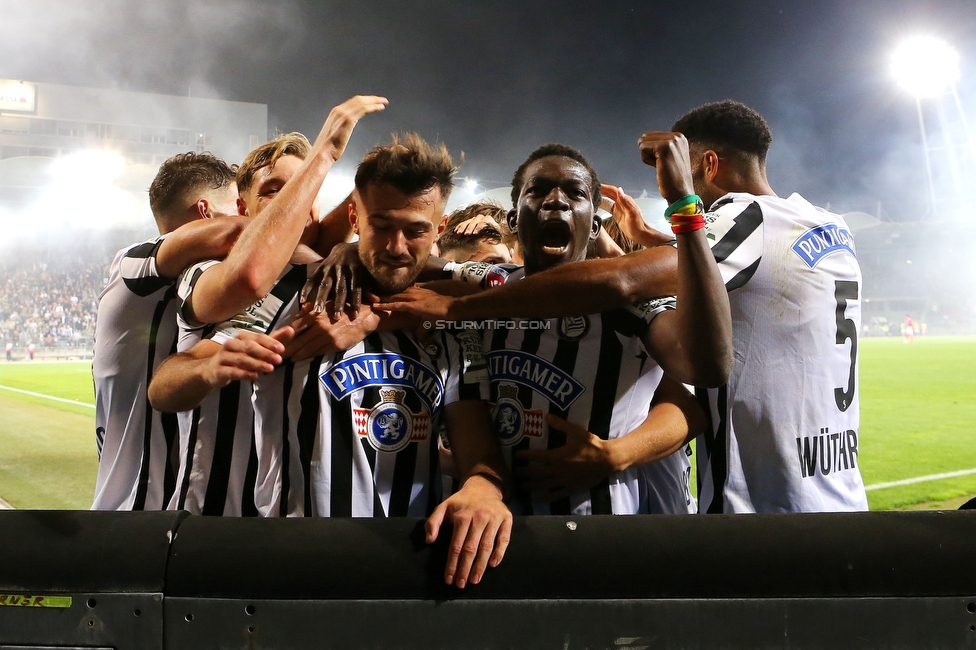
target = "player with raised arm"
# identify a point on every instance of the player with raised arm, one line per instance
(136, 328)
(221, 469)
(784, 429)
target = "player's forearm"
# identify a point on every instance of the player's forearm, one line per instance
(587, 287)
(199, 240)
(704, 321)
(673, 420)
(266, 246)
(179, 384)
(477, 454)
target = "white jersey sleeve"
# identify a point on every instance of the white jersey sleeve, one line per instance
(734, 229)
(184, 292)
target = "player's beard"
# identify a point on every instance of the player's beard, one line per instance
(388, 280)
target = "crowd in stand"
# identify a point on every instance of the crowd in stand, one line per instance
(50, 304)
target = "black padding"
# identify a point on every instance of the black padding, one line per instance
(47, 551)
(599, 557)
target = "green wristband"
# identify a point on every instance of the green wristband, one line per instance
(680, 203)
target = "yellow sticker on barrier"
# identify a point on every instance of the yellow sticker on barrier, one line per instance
(9, 600)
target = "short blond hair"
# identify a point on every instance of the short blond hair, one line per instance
(286, 144)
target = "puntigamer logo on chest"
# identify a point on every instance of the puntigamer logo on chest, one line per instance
(557, 386)
(388, 425)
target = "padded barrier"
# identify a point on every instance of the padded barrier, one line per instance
(886, 579)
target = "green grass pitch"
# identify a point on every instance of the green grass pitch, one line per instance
(917, 419)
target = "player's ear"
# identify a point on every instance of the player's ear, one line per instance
(241, 207)
(441, 226)
(710, 165)
(202, 209)
(512, 218)
(354, 215)
(595, 227)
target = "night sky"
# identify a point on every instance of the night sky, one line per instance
(495, 79)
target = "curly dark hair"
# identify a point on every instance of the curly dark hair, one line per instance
(409, 164)
(555, 149)
(185, 174)
(728, 127)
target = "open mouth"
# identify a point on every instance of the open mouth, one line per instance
(555, 236)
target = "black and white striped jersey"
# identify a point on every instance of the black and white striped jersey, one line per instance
(284, 417)
(135, 330)
(381, 402)
(592, 371)
(231, 445)
(217, 456)
(784, 430)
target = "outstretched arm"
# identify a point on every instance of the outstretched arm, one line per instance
(674, 418)
(199, 240)
(266, 246)
(587, 287)
(184, 380)
(694, 342)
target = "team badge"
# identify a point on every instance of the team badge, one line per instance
(511, 421)
(390, 426)
(432, 349)
(573, 328)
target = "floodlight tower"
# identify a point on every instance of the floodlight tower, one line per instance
(928, 68)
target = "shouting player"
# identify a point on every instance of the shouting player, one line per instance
(593, 377)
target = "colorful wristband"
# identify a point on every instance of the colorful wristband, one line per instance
(691, 199)
(687, 223)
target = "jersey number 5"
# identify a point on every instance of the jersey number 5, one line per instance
(845, 290)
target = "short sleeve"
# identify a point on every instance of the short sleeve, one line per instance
(184, 291)
(647, 310)
(138, 269)
(734, 230)
(467, 374)
(484, 274)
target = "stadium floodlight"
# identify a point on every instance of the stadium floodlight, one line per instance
(925, 66)
(471, 185)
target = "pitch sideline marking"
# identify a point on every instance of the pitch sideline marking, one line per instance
(920, 479)
(57, 399)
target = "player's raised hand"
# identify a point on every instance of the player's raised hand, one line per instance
(580, 464)
(474, 225)
(628, 216)
(668, 152)
(342, 120)
(482, 529)
(246, 356)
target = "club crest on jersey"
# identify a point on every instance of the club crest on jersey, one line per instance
(390, 426)
(519, 367)
(573, 328)
(509, 419)
(384, 369)
(821, 241)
